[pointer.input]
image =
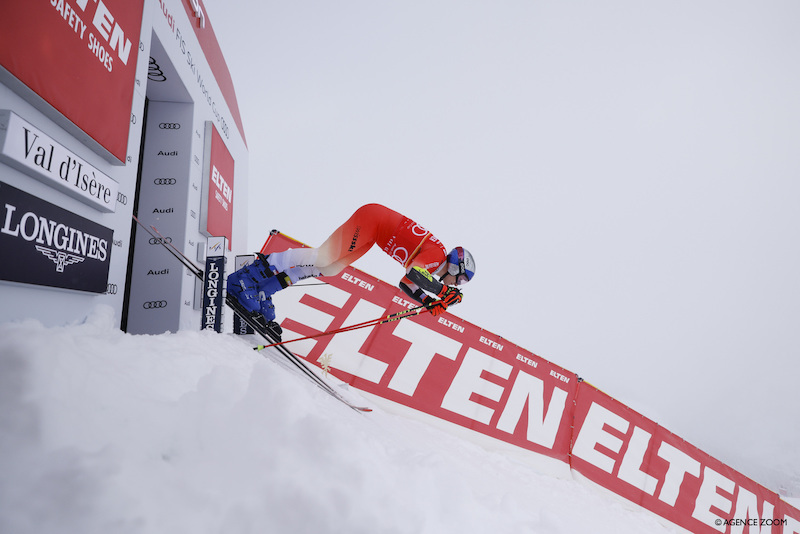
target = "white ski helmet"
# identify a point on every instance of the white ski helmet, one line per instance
(461, 265)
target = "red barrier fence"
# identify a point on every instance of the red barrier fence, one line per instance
(457, 372)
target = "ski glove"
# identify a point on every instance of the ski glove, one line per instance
(447, 297)
(436, 307)
(450, 296)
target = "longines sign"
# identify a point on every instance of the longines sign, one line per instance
(34, 153)
(46, 245)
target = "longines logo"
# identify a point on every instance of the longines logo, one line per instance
(154, 304)
(60, 258)
(57, 241)
(51, 246)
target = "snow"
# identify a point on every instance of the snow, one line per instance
(106, 432)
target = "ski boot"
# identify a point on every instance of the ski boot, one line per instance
(243, 284)
(265, 317)
(266, 310)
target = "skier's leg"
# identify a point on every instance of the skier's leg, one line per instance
(344, 246)
(354, 238)
(293, 257)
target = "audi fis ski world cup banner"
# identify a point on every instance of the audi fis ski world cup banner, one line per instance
(500, 394)
(217, 202)
(80, 57)
(46, 245)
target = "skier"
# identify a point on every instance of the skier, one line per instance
(422, 255)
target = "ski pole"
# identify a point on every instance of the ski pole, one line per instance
(372, 322)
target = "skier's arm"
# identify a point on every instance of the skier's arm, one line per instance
(424, 280)
(421, 281)
(416, 293)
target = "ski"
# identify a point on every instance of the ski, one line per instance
(268, 335)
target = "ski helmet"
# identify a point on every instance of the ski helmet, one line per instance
(461, 265)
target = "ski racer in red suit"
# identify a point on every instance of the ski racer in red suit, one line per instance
(421, 254)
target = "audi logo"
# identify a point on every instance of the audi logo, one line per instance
(169, 125)
(111, 289)
(122, 199)
(159, 240)
(165, 181)
(154, 304)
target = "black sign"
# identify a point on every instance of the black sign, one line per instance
(212, 293)
(240, 327)
(46, 245)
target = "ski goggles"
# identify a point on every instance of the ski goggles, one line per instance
(457, 266)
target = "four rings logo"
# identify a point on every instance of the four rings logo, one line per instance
(169, 125)
(154, 304)
(160, 240)
(165, 181)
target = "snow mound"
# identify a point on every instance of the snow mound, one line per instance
(105, 432)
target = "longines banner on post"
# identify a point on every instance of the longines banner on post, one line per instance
(80, 57)
(46, 245)
(212, 284)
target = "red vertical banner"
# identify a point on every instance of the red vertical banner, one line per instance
(217, 215)
(80, 57)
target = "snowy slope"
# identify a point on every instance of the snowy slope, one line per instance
(104, 432)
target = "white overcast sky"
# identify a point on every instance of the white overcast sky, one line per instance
(626, 174)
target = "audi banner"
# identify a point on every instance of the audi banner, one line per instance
(46, 245)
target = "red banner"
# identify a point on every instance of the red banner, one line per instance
(80, 57)
(219, 166)
(442, 366)
(213, 53)
(455, 371)
(636, 458)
